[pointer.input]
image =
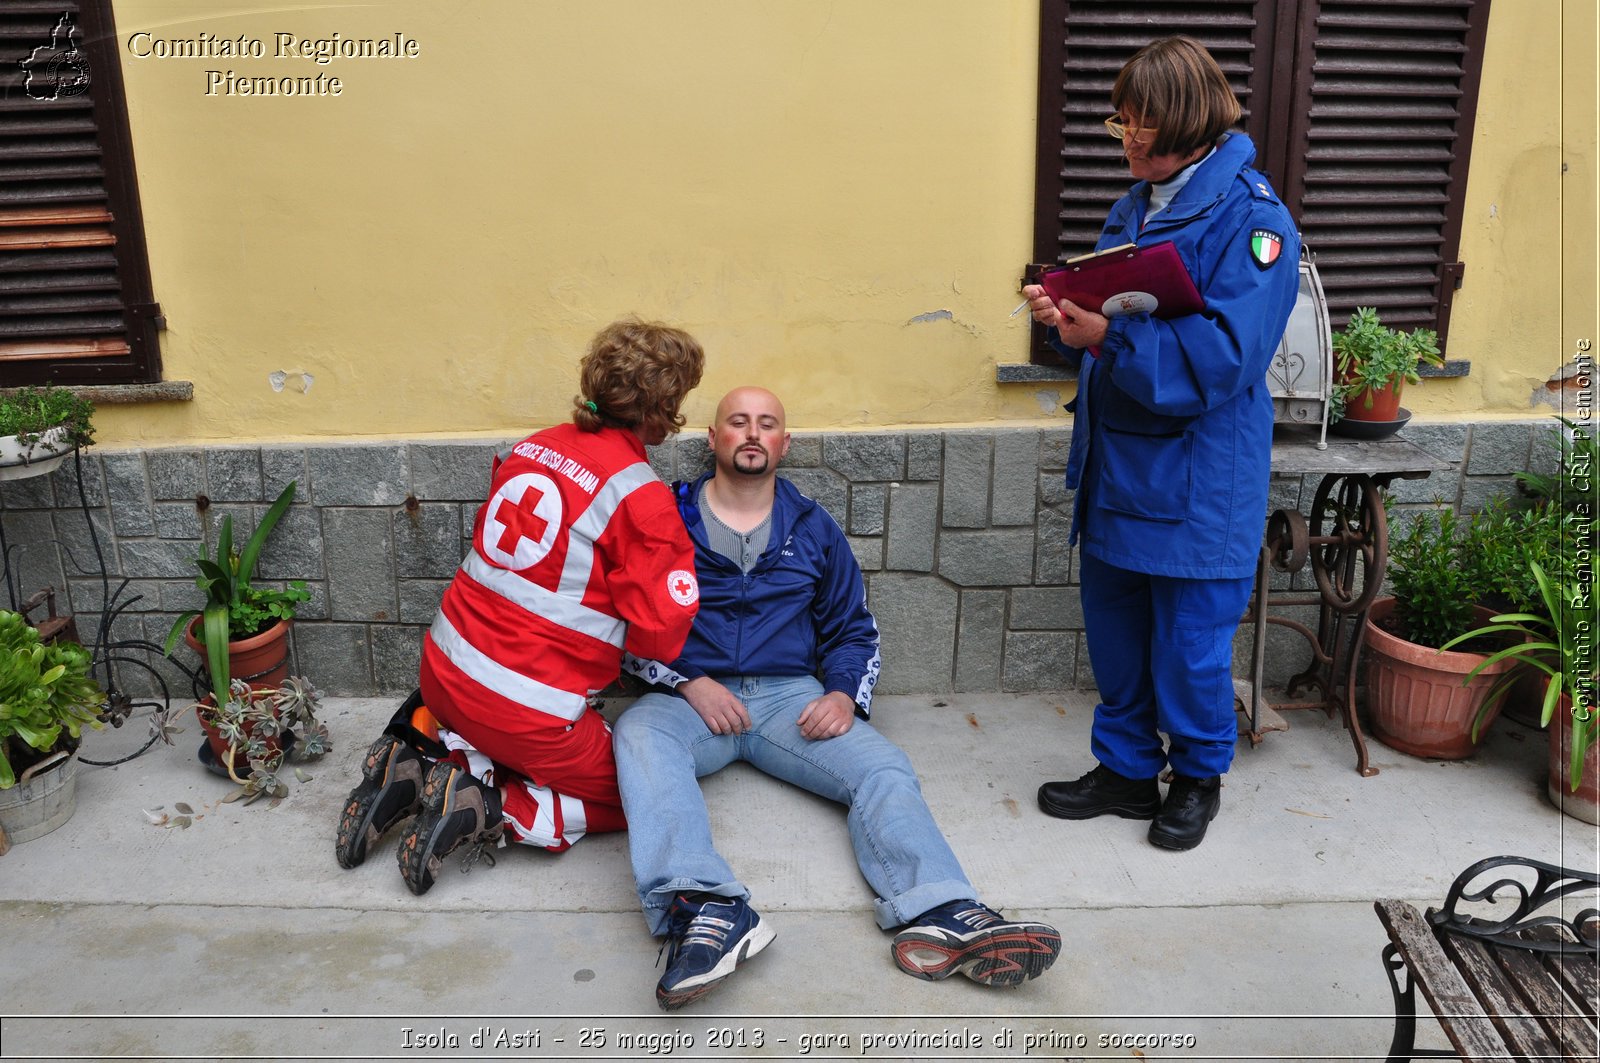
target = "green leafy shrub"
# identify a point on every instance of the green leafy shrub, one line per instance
(45, 690)
(1434, 591)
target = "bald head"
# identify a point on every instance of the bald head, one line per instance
(749, 436)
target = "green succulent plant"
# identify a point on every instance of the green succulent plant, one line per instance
(47, 695)
(251, 722)
(1371, 357)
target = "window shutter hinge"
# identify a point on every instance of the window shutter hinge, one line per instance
(1454, 272)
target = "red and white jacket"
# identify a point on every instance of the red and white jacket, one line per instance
(578, 554)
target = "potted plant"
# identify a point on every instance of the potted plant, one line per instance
(252, 731)
(1497, 547)
(1374, 362)
(1559, 640)
(47, 697)
(1415, 691)
(242, 628)
(39, 427)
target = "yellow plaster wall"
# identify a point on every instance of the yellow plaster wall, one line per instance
(834, 197)
(1528, 236)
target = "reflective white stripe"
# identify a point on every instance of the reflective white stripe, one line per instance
(542, 831)
(592, 524)
(558, 608)
(513, 686)
(574, 820)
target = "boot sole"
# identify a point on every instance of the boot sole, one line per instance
(417, 845)
(1002, 957)
(1050, 808)
(356, 829)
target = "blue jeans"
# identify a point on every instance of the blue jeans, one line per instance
(1162, 652)
(663, 748)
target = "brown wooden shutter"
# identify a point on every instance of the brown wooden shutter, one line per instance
(1083, 43)
(1380, 135)
(1361, 110)
(75, 299)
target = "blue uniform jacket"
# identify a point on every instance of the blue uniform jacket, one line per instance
(802, 610)
(1172, 424)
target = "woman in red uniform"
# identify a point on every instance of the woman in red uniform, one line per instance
(577, 555)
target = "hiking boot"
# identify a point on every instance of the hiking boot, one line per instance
(969, 938)
(390, 790)
(456, 808)
(707, 938)
(1099, 792)
(1190, 807)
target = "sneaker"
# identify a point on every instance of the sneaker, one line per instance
(1099, 792)
(706, 940)
(1190, 807)
(390, 790)
(456, 808)
(972, 939)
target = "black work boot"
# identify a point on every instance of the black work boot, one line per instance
(1190, 807)
(1100, 792)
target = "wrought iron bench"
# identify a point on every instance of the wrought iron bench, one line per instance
(1520, 987)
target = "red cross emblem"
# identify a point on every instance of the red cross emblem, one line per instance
(521, 520)
(520, 525)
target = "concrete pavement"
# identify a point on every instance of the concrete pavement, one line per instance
(240, 937)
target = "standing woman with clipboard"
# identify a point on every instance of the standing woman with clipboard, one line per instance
(1171, 447)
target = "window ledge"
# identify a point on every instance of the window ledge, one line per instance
(1027, 372)
(128, 394)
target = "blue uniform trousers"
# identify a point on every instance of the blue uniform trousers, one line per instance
(1162, 652)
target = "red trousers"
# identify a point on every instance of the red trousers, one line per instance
(557, 781)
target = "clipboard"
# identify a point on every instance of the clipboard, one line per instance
(1127, 280)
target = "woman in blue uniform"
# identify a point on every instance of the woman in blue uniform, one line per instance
(1171, 446)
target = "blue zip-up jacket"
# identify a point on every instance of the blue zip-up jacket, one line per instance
(1172, 425)
(801, 610)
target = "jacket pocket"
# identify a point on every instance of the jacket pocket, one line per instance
(1148, 476)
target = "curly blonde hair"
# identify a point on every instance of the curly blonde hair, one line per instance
(636, 375)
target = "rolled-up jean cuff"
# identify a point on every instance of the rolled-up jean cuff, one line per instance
(660, 899)
(907, 906)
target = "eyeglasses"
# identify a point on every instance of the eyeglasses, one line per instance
(1116, 127)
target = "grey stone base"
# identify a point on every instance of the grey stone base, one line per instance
(962, 535)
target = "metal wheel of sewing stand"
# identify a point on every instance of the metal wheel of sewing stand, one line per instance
(111, 658)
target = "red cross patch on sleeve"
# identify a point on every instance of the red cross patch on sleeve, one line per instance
(683, 587)
(1265, 246)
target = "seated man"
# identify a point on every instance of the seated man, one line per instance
(782, 598)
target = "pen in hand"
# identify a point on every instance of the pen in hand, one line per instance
(1020, 307)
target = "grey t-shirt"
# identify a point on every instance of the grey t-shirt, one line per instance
(743, 549)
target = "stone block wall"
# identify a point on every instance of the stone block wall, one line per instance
(962, 535)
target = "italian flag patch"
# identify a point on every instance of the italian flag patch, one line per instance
(1265, 246)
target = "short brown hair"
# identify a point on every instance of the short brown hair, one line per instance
(1175, 85)
(637, 374)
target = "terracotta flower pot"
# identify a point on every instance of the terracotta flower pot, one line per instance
(1385, 404)
(219, 745)
(261, 660)
(1584, 803)
(1415, 694)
